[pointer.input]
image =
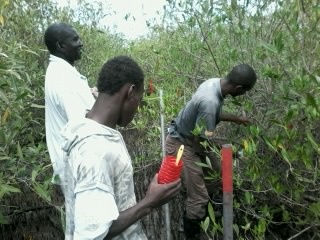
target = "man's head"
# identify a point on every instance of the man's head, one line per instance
(241, 79)
(122, 75)
(63, 41)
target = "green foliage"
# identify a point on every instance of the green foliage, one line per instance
(24, 159)
(276, 182)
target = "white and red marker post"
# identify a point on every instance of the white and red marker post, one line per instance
(227, 187)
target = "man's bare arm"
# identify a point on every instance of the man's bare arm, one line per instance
(156, 196)
(228, 117)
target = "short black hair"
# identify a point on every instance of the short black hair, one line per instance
(54, 34)
(242, 74)
(118, 71)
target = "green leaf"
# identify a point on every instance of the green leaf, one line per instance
(289, 115)
(14, 74)
(269, 47)
(62, 218)
(37, 105)
(313, 142)
(205, 224)
(278, 42)
(208, 162)
(236, 229)
(3, 55)
(285, 156)
(32, 52)
(5, 189)
(247, 226)
(247, 197)
(311, 101)
(9, 188)
(315, 209)
(34, 174)
(3, 219)
(269, 144)
(4, 97)
(19, 151)
(41, 192)
(200, 164)
(211, 213)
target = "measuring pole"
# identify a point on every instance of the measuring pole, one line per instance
(227, 187)
(166, 206)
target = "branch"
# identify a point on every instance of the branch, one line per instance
(299, 233)
(208, 45)
(32, 209)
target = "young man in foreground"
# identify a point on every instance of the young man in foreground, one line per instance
(100, 199)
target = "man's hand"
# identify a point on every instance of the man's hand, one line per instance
(242, 120)
(159, 194)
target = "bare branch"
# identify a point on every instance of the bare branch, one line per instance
(208, 45)
(299, 233)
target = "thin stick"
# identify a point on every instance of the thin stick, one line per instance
(179, 155)
(299, 233)
(166, 206)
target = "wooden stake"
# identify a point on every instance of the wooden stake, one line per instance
(179, 155)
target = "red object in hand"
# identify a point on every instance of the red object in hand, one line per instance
(169, 171)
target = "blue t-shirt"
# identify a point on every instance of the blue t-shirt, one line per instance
(201, 114)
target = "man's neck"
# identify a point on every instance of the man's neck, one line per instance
(224, 87)
(59, 55)
(105, 110)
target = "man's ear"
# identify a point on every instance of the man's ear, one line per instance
(238, 87)
(131, 90)
(59, 45)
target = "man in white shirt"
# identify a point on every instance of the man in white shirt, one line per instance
(100, 198)
(67, 93)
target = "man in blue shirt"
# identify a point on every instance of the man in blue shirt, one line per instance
(196, 124)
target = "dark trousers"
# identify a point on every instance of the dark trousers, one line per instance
(193, 181)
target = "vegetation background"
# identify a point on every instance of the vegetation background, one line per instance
(277, 190)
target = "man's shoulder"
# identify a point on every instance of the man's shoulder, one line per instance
(59, 67)
(210, 81)
(57, 73)
(209, 92)
(91, 133)
(207, 87)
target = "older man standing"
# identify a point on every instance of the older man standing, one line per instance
(67, 93)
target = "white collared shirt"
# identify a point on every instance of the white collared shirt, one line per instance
(99, 181)
(67, 96)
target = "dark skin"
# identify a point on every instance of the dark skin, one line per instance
(234, 91)
(69, 46)
(119, 109)
(156, 196)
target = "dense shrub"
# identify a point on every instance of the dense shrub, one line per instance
(276, 181)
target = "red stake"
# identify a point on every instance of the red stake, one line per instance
(227, 168)
(151, 87)
(227, 187)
